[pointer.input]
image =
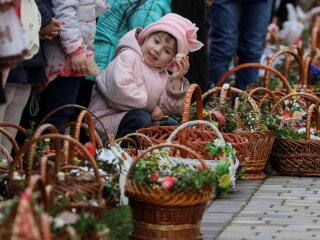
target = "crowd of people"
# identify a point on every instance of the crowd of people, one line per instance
(128, 61)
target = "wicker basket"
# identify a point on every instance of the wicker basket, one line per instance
(260, 143)
(70, 186)
(23, 214)
(160, 214)
(194, 138)
(298, 157)
(291, 52)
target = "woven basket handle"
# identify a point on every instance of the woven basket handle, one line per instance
(263, 89)
(6, 154)
(39, 131)
(8, 136)
(195, 90)
(77, 107)
(312, 110)
(11, 139)
(99, 142)
(308, 96)
(187, 124)
(165, 145)
(290, 53)
(36, 182)
(306, 68)
(84, 114)
(127, 137)
(255, 65)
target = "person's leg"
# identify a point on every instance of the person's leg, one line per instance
(252, 31)
(61, 91)
(224, 19)
(15, 108)
(168, 122)
(133, 120)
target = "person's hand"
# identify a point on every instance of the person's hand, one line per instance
(50, 31)
(92, 68)
(5, 6)
(157, 114)
(78, 63)
(181, 66)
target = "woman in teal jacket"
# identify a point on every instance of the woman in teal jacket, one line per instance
(124, 16)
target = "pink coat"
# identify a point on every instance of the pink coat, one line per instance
(127, 83)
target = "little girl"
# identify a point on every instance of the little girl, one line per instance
(70, 57)
(136, 88)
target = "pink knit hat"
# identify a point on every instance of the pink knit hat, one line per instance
(179, 27)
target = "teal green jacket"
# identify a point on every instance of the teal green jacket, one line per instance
(108, 33)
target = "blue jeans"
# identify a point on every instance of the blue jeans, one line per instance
(61, 91)
(237, 27)
(138, 118)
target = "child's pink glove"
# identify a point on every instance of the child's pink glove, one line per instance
(79, 63)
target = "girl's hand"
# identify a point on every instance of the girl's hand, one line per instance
(78, 63)
(157, 114)
(51, 30)
(181, 66)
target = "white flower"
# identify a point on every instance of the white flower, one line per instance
(18, 177)
(58, 223)
(61, 176)
(219, 143)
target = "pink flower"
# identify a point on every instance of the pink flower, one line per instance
(200, 167)
(168, 182)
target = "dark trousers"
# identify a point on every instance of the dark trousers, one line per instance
(138, 118)
(61, 91)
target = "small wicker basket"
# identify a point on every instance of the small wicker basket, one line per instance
(160, 214)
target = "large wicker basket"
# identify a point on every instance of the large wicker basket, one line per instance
(160, 214)
(194, 138)
(260, 143)
(298, 157)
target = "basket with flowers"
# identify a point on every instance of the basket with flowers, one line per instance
(31, 216)
(296, 148)
(168, 197)
(244, 119)
(197, 137)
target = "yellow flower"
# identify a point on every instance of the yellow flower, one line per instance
(293, 90)
(76, 160)
(225, 180)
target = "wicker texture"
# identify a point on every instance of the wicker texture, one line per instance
(24, 213)
(71, 185)
(258, 149)
(292, 52)
(298, 157)
(161, 214)
(195, 138)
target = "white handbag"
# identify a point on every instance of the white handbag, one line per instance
(31, 22)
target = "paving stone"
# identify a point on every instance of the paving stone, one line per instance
(280, 207)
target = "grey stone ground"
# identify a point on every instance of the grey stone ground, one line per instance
(279, 207)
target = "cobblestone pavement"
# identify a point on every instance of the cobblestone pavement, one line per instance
(279, 207)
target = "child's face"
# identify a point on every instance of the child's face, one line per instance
(159, 50)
